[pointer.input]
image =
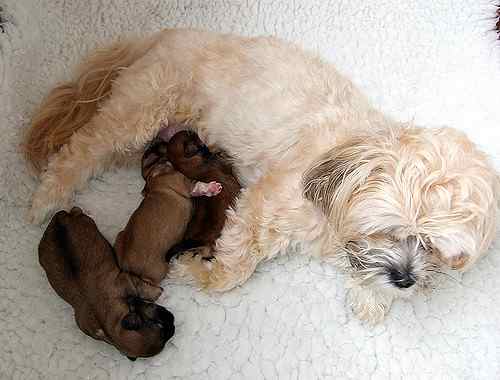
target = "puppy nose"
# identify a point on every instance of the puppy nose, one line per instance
(401, 279)
(167, 332)
(76, 211)
(168, 323)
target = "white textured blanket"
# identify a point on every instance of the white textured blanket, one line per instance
(434, 62)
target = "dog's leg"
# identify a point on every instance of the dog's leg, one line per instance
(126, 122)
(236, 257)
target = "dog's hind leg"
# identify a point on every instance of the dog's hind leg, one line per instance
(142, 96)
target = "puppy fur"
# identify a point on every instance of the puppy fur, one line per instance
(161, 219)
(108, 304)
(190, 156)
(311, 151)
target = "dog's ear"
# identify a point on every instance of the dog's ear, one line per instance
(132, 321)
(332, 180)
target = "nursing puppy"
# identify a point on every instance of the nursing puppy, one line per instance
(108, 303)
(161, 219)
(190, 156)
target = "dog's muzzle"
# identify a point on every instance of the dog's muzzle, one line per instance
(397, 263)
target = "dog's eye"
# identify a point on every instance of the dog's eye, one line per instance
(424, 244)
(132, 321)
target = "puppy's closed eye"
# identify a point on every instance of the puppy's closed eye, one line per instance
(132, 321)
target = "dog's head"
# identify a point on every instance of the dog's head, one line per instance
(142, 331)
(403, 204)
(188, 153)
(155, 158)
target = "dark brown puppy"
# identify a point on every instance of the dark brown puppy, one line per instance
(190, 156)
(161, 219)
(108, 304)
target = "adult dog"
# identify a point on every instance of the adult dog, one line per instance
(324, 172)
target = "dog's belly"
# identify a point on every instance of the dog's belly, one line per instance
(256, 97)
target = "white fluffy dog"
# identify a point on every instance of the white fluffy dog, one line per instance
(324, 172)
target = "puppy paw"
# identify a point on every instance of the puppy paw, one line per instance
(145, 289)
(206, 189)
(213, 188)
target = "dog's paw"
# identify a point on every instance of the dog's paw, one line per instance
(39, 214)
(372, 314)
(368, 305)
(46, 202)
(192, 268)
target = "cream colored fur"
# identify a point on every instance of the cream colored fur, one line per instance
(324, 171)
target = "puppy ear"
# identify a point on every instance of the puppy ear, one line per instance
(331, 181)
(132, 321)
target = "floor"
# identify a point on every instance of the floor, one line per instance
(430, 62)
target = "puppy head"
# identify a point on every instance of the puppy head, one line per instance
(154, 158)
(188, 153)
(143, 330)
(404, 203)
(70, 238)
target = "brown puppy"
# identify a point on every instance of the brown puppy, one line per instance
(190, 156)
(82, 269)
(161, 219)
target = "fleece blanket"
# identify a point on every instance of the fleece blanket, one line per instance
(431, 62)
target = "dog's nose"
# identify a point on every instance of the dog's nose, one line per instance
(76, 211)
(167, 332)
(167, 321)
(401, 279)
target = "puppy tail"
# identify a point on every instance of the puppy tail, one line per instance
(71, 105)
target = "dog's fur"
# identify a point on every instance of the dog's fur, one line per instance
(497, 25)
(190, 156)
(161, 219)
(81, 267)
(325, 172)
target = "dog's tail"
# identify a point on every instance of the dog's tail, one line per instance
(71, 105)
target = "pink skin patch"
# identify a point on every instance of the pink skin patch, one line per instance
(168, 131)
(206, 189)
